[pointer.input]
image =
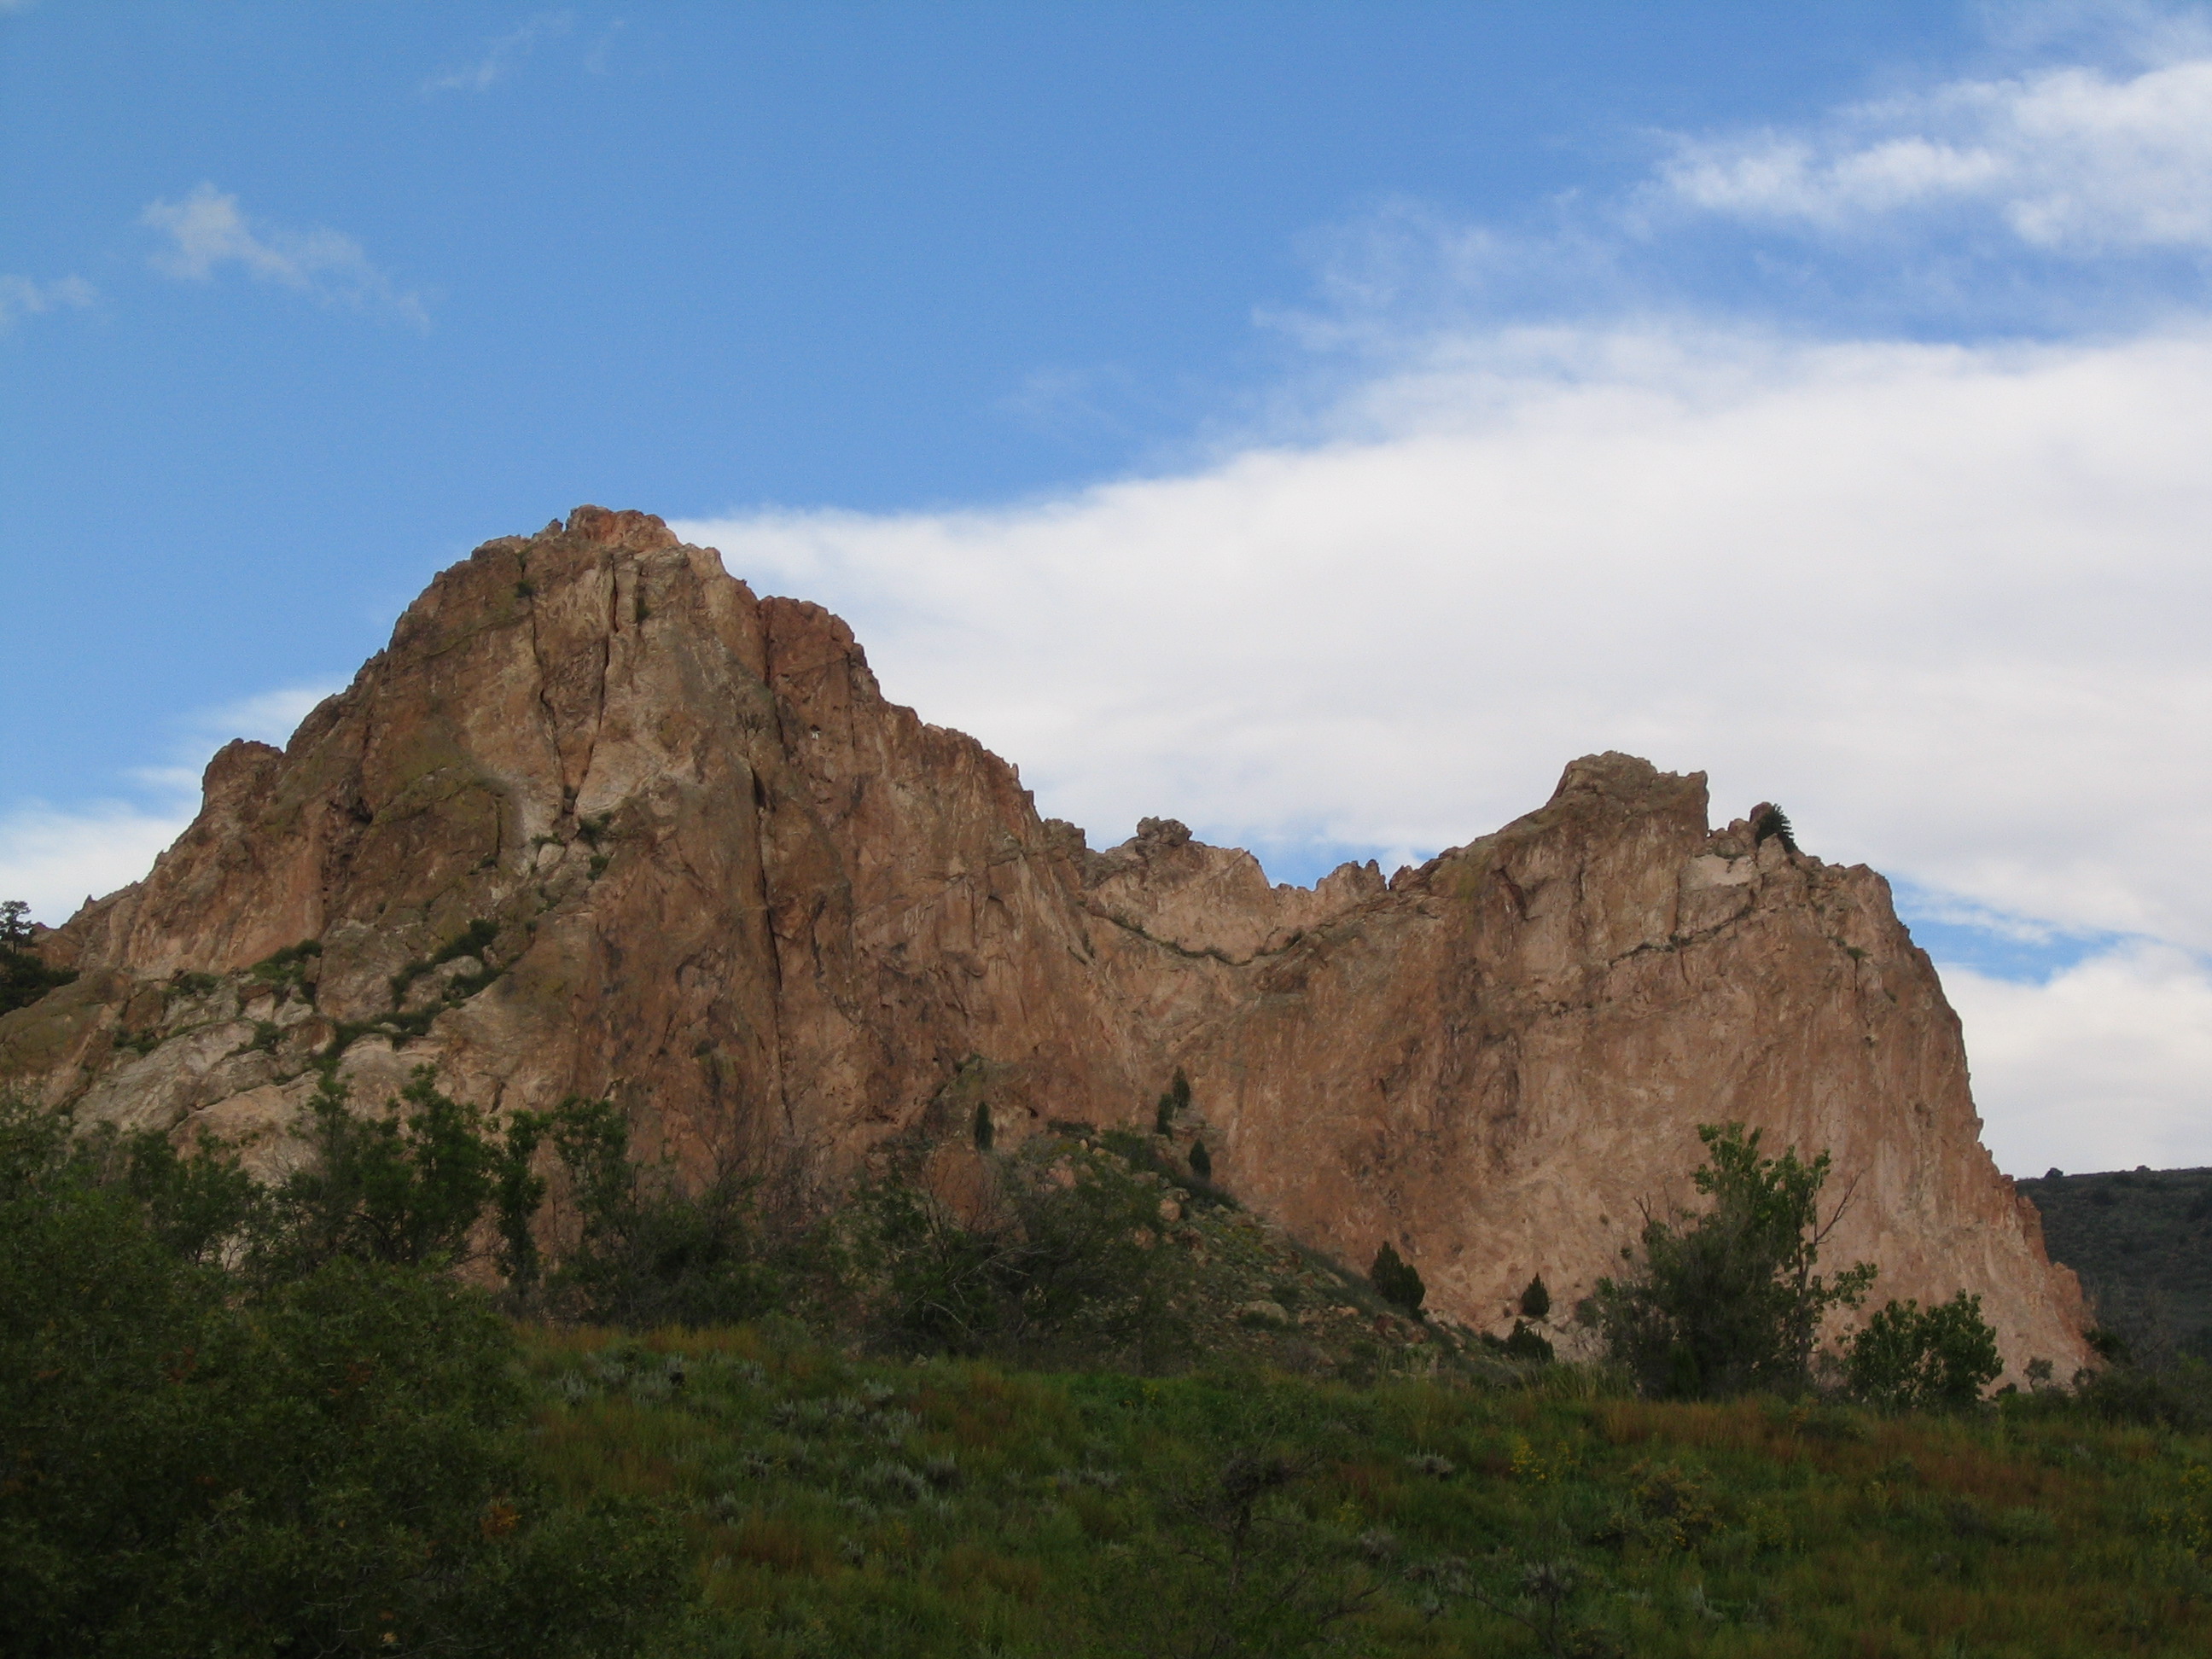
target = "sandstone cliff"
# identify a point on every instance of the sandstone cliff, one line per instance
(599, 820)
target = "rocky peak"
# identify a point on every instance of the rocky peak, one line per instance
(601, 821)
(1212, 900)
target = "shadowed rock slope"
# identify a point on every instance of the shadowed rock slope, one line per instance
(600, 821)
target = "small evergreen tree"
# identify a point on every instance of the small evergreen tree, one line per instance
(1535, 1300)
(1171, 1103)
(1396, 1281)
(1201, 1161)
(1527, 1342)
(984, 1131)
(24, 978)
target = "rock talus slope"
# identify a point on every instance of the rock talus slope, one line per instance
(601, 821)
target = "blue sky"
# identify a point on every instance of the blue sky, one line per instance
(870, 258)
(1316, 421)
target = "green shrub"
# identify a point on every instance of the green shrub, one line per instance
(1172, 1102)
(404, 1189)
(1536, 1300)
(472, 941)
(1037, 1271)
(1910, 1359)
(1145, 1153)
(196, 1208)
(425, 1183)
(933, 1284)
(1725, 1301)
(1525, 1342)
(1396, 1281)
(2177, 1397)
(288, 965)
(647, 1249)
(329, 1464)
(1237, 1566)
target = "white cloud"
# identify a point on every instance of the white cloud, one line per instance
(56, 857)
(1942, 603)
(503, 54)
(206, 231)
(2071, 159)
(1993, 927)
(266, 717)
(1945, 604)
(2106, 1067)
(21, 297)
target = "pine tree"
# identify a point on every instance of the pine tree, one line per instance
(23, 977)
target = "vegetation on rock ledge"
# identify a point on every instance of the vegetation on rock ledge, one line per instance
(24, 978)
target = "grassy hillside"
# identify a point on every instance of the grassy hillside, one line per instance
(1080, 1405)
(2141, 1239)
(838, 1506)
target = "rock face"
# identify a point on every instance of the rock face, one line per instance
(600, 821)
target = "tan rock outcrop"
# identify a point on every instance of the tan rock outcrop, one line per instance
(720, 879)
(1212, 900)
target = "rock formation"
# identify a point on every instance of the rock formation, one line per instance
(600, 821)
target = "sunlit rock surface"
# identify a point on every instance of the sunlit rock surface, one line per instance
(783, 920)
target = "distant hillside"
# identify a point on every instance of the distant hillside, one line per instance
(2141, 1239)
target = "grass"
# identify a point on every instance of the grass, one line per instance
(836, 1504)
